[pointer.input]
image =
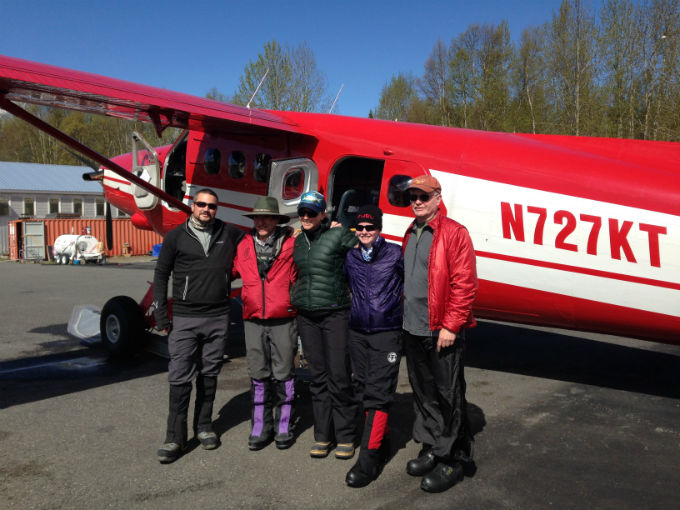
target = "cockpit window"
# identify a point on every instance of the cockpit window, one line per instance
(237, 165)
(396, 192)
(211, 161)
(261, 167)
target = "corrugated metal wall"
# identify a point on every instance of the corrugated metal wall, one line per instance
(139, 242)
(4, 239)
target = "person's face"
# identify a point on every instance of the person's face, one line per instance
(367, 233)
(424, 205)
(204, 207)
(310, 219)
(265, 225)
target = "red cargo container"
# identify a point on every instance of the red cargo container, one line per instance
(127, 239)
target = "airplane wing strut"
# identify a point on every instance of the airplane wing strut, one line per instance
(16, 110)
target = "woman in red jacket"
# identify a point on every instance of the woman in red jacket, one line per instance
(264, 261)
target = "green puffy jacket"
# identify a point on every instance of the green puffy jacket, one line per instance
(319, 258)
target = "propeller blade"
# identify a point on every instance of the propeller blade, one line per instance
(109, 228)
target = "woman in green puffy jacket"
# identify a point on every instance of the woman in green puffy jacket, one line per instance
(321, 296)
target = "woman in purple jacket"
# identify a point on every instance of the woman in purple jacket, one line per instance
(375, 271)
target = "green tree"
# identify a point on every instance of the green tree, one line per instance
(396, 98)
(293, 82)
(435, 83)
(529, 82)
(494, 63)
(465, 75)
(571, 37)
(659, 80)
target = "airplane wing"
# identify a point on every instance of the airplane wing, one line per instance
(31, 82)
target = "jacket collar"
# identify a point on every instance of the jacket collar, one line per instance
(433, 223)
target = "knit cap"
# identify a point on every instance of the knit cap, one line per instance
(369, 214)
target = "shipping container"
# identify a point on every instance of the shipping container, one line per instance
(127, 239)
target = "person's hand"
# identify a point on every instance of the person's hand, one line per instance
(446, 339)
(335, 224)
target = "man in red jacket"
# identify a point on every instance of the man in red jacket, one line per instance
(440, 284)
(264, 261)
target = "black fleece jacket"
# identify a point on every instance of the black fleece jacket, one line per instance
(201, 283)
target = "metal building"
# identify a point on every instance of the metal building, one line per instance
(32, 190)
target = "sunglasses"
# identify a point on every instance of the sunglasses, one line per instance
(202, 205)
(307, 212)
(367, 228)
(423, 197)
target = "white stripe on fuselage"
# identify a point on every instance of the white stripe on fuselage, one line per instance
(639, 278)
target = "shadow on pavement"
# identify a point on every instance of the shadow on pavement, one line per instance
(37, 378)
(504, 348)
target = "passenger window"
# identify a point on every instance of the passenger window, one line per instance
(211, 161)
(261, 167)
(396, 192)
(237, 165)
(292, 183)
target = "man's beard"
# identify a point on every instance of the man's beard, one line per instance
(201, 224)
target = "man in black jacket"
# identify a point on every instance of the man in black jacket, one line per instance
(199, 253)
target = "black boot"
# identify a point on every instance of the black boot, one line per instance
(368, 467)
(445, 475)
(284, 413)
(261, 421)
(374, 450)
(176, 436)
(206, 388)
(423, 464)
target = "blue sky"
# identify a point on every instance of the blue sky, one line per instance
(192, 46)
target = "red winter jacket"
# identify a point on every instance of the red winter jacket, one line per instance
(268, 298)
(451, 276)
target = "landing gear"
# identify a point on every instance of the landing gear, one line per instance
(122, 326)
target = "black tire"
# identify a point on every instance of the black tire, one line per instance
(122, 326)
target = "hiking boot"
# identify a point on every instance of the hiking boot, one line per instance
(320, 449)
(258, 442)
(344, 451)
(170, 452)
(284, 444)
(208, 440)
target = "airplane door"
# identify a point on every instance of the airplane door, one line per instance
(145, 165)
(289, 179)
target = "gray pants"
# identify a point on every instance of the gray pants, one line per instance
(270, 348)
(196, 345)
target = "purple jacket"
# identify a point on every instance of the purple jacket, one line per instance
(377, 287)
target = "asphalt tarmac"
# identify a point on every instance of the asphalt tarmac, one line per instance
(560, 421)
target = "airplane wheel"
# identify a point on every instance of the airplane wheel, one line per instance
(122, 326)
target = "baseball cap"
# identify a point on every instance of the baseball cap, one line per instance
(312, 200)
(427, 183)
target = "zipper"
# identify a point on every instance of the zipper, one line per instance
(309, 286)
(191, 234)
(263, 300)
(186, 288)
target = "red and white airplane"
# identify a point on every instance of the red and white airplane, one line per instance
(571, 232)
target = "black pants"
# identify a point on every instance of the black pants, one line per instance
(375, 363)
(438, 384)
(324, 345)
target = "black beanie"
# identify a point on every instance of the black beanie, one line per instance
(369, 214)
